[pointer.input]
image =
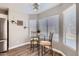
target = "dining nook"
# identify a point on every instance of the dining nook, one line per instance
(39, 29)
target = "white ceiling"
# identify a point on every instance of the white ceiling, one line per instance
(43, 7)
(27, 7)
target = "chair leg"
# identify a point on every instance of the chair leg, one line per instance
(33, 47)
(30, 47)
(38, 50)
(51, 52)
(42, 50)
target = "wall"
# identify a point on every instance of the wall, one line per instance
(17, 34)
(33, 16)
(58, 10)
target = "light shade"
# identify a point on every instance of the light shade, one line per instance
(35, 7)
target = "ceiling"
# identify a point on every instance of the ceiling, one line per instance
(27, 7)
(42, 7)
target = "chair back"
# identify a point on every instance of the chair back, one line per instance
(50, 37)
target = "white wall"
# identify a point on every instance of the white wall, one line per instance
(17, 34)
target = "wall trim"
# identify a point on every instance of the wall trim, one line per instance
(19, 45)
(58, 51)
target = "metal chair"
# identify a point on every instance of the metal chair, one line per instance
(47, 45)
(34, 43)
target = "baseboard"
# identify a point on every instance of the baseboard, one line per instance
(58, 51)
(19, 45)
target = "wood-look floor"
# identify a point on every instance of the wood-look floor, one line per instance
(24, 51)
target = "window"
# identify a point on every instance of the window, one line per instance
(53, 26)
(43, 28)
(70, 27)
(32, 26)
(50, 24)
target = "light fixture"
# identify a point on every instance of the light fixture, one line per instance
(35, 7)
(12, 21)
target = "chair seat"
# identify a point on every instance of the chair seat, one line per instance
(45, 43)
(48, 47)
(34, 39)
(34, 42)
